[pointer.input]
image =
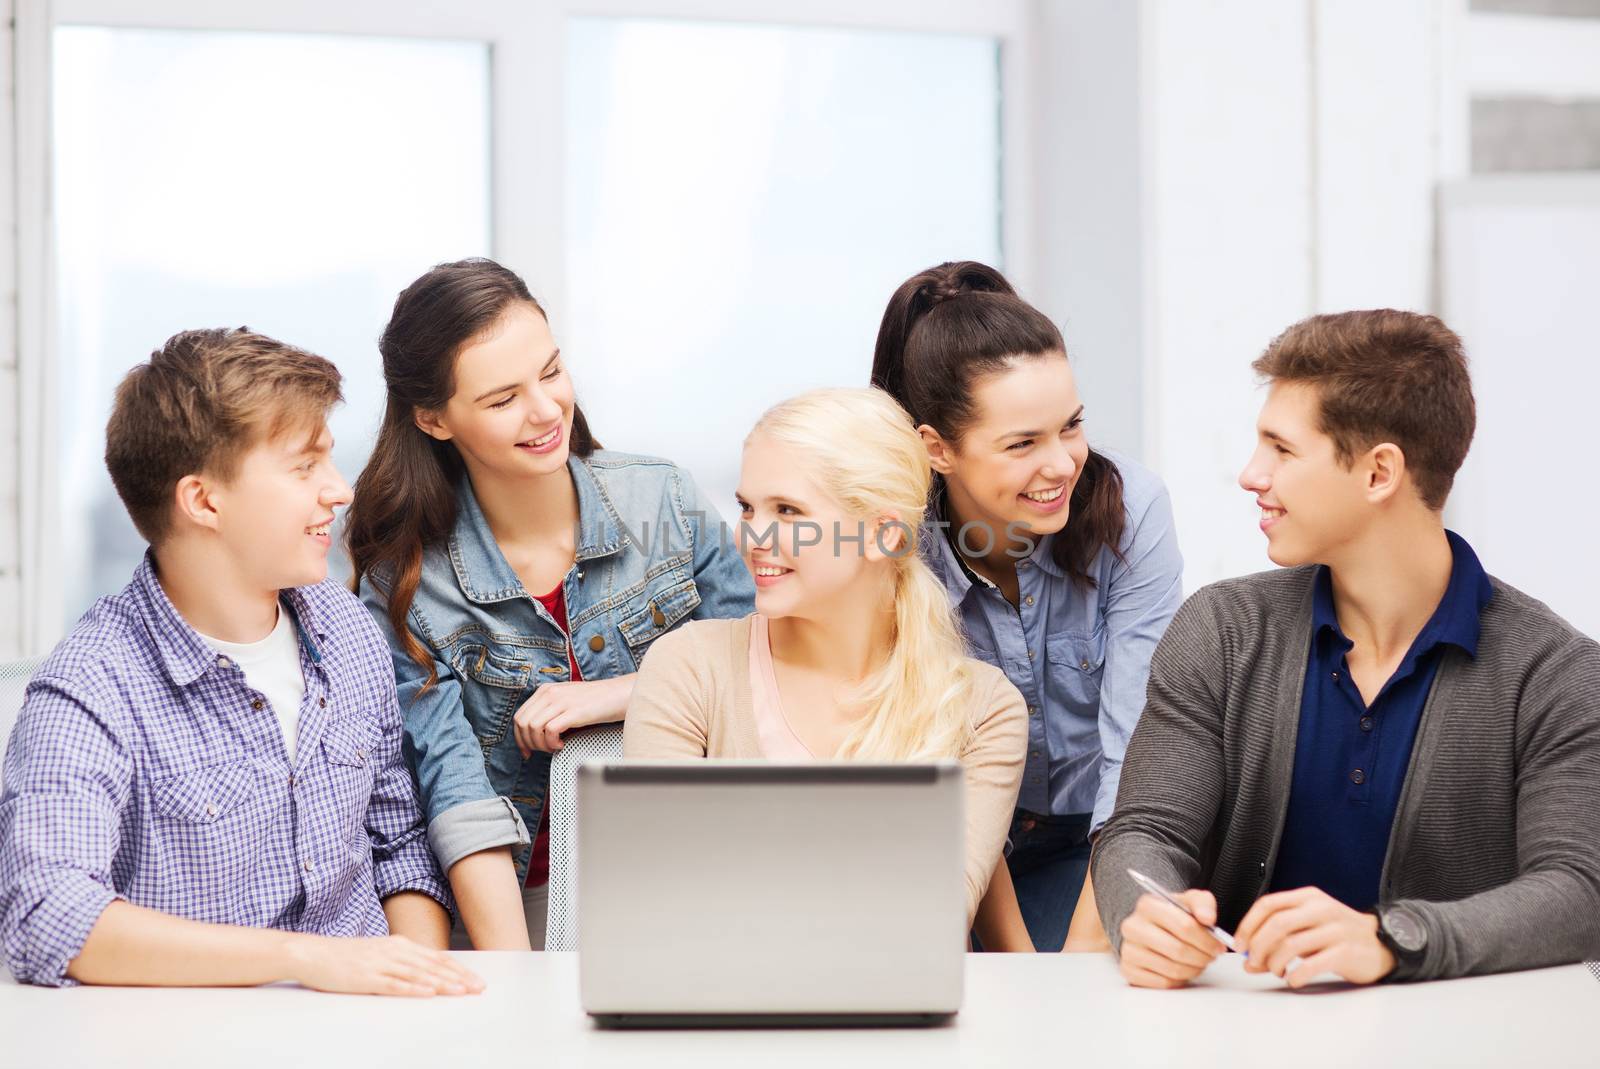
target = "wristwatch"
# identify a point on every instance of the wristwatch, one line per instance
(1402, 932)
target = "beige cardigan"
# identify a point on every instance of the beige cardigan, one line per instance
(693, 699)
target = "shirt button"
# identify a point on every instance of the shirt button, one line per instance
(597, 643)
(256, 705)
(1030, 655)
(1336, 677)
(1358, 777)
(323, 702)
(211, 810)
(1028, 600)
(1021, 565)
(222, 662)
(1366, 723)
(1085, 666)
(1033, 710)
(306, 865)
(361, 756)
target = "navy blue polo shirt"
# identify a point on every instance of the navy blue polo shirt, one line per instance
(1350, 760)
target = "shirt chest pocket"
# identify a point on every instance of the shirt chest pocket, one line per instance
(206, 796)
(210, 825)
(662, 606)
(1074, 663)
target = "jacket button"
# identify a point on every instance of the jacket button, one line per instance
(597, 643)
(655, 616)
(1358, 777)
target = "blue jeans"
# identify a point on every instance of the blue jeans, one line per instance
(1049, 860)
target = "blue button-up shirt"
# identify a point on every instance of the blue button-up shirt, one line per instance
(1350, 759)
(144, 767)
(1080, 655)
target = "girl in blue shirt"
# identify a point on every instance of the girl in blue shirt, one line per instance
(1061, 560)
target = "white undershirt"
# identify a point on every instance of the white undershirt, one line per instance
(272, 666)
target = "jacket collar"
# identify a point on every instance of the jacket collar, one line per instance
(482, 570)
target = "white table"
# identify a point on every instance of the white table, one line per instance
(1030, 1012)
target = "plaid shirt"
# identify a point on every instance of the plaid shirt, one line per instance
(144, 767)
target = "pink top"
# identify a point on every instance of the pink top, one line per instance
(777, 739)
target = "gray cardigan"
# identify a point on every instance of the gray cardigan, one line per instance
(1496, 841)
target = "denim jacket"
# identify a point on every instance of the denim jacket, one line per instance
(651, 553)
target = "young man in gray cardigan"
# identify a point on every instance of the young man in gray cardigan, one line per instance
(1377, 762)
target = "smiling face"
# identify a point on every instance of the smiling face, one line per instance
(788, 541)
(512, 409)
(1312, 504)
(273, 516)
(1020, 457)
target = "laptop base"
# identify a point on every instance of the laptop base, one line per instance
(770, 1020)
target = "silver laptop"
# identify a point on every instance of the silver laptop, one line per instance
(751, 893)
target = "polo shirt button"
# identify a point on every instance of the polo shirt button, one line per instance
(1366, 723)
(1358, 777)
(597, 643)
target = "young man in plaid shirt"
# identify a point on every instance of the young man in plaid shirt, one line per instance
(205, 784)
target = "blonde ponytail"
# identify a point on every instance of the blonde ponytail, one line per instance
(859, 447)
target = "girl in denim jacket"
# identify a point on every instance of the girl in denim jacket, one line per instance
(519, 573)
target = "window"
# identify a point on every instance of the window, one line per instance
(292, 183)
(741, 202)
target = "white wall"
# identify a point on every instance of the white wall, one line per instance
(1295, 147)
(1089, 145)
(1520, 258)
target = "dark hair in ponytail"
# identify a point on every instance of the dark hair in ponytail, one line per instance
(951, 325)
(405, 498)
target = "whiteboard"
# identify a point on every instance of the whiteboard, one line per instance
(1520, 282)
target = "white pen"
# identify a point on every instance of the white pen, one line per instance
(1225, 938)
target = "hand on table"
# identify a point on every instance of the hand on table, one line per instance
(385, 965)
(557, 708)
(1164, 947)
(1324, 933)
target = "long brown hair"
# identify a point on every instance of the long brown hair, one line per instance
(405, 498)
(950, 325)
